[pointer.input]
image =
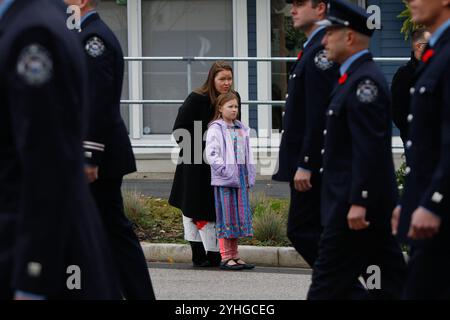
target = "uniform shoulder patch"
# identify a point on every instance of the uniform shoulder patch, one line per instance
(321, 61)
(367, 91)
(94, 47)
(35, 65)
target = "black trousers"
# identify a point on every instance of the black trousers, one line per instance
(344, 255)
(304, 225)
(130, 262)
(428, 274)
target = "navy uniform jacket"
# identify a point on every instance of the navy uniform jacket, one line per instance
(107, 144)
(48, 220)
(310, 83)
(401, 83)
(358, 165)
(428, 145)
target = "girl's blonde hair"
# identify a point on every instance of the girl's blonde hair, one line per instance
(221, 100)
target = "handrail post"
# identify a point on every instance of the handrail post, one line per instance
(189, 75)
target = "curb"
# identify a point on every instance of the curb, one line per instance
(262, 256)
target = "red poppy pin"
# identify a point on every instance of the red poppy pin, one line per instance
(201, 224)
(343, 78)
(427, 55)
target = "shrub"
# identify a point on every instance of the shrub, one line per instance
(136, 209)
(408, 25)
(258, 201)
(269, 226)
(400, 175)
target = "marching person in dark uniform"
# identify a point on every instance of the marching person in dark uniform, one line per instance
(425, 204)
(48, 221)
(310, 83)
(358, 189)
(402, 82)
(108, 149)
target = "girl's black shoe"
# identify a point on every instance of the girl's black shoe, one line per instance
(226, 266)
(246, 266)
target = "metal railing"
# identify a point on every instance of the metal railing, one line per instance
(190, 60)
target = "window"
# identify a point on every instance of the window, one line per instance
(180, 28)
(115, 16)
(286, 42)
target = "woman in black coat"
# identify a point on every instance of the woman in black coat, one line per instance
(191, 191)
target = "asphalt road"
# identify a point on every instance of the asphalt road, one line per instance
(183, 282)
(161, 188)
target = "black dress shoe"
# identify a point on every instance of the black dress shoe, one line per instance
(204, 264)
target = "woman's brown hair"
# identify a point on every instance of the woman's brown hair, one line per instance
(220, 101)
(208, 88)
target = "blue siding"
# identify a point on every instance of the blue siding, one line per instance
(389, 42)
(252, 70)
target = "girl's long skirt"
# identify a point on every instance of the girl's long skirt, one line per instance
(233, 214)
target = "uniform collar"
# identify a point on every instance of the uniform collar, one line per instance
(13, 7)
(87, 16)
(313, 34)
(438, 33)
(5, 6)
(347, 63)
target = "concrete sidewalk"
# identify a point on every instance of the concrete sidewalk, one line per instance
(261, 256)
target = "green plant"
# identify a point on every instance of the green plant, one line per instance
(259, 203)
(400, 175)
(136, 209)
(408, 25)
(270, 226)
(257, 200)
(294, 38)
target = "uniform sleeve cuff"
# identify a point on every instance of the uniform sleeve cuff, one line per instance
(432, 206)
(28, 295)
(304, 169)
(306, 163)
(360, 198)
(92, 157)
